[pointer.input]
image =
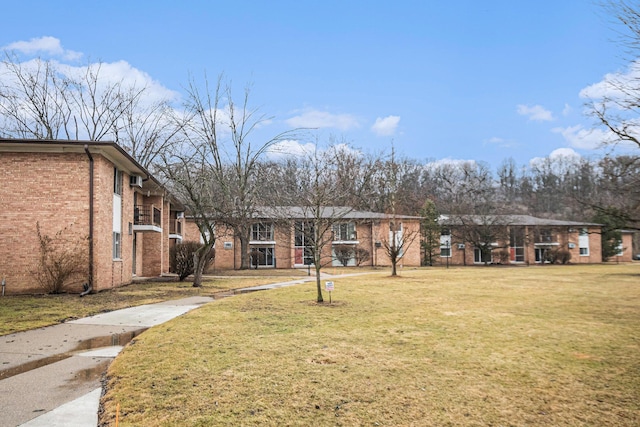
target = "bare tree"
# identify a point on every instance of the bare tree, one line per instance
(186, 171)
(486, 233)
(318, 197)
(46, 100)
(32, 99)
(400, 238)
(616, 105)
(216, 166)
(430, 232)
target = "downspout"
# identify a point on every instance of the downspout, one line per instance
(88, 288)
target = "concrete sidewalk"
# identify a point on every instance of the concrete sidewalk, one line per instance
(51, 376)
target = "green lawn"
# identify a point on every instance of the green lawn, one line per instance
(553, 345)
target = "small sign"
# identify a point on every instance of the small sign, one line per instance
(328, 286)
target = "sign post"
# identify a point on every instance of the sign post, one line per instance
(329, 288)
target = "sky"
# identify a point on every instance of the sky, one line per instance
(440, 80)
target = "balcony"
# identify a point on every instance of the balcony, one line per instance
(147, 218)
(344, 238)
(175, 229)
(545, 238)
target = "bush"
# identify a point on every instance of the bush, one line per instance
(181, 259)
(504, 256)
(562, 256)
(62, 262)
(362, 256)
(344, 254)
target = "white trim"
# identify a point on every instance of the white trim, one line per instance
(346, 242)
(154, 228)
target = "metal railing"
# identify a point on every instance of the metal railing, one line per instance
(147, 215)
(175, 226)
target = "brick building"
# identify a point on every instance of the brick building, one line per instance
(92, 194)
(278, 240)
(520, 239)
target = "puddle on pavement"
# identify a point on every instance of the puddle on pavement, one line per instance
(120, 339)
(107, 341)
(88, 375)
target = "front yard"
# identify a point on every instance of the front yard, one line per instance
(552, 345)
(24, 312)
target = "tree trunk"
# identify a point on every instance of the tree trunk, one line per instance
(245, 257)
(199, 262)
(394, 271)
(319, 284)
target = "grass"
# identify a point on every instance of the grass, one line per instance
(435, 347)
(24, 312)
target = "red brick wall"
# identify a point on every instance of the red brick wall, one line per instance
(52, 189)
(49, 189)
(561, 235)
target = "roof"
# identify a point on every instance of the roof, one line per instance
(511, 220)
(109, 150)
(301, 212)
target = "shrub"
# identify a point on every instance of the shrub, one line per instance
(344, 254)
(62, 261)
(362, 256)
(181, 258)
(558, 256)
(504, 256)
(562, 256)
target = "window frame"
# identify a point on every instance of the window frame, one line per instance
(116, 249)
(262, 232)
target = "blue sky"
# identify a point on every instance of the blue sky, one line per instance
(441, 79)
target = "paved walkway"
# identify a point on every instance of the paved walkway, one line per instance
(50, 377)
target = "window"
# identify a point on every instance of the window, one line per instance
(545, 236)
(344, 232)
(262, 257)
(262, 231)
(117, 213)
(583, 242)
(117, 181)
(304, 234)
(396, 239)
(516, 244)
(482, 257)
(117, 245)
(445, 243)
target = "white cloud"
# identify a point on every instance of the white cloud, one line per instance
(561, 153)
(586, 139)
(385, 126)
(557, 158)
(287, 148)
(612, 85)
(567, 110)
(448, 162)
(315, 119)
(43, 45)
(536, 113)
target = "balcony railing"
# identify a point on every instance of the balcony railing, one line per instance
(147, 215)
(175, 227)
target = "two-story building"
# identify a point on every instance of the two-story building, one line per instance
(282, 238)
(91, 193)
(520, 239)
